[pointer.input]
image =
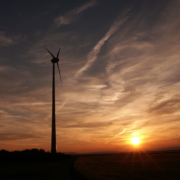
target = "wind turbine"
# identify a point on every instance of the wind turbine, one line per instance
(54, 60)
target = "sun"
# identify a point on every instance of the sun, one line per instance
(135, 141)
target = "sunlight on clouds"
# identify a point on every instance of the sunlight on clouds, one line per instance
(120, 79)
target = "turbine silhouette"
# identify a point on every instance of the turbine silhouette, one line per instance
(53, 135)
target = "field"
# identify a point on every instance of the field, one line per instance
(39, 171)
(143, 166)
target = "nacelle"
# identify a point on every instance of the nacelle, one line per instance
(54, 60)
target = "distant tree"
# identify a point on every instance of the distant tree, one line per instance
(42, 151)
(3, 151)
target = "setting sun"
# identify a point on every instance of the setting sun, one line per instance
(135, 140)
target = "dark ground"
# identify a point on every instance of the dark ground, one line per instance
(61, 170)
(45, 166)
(139, 166)
(37, 165)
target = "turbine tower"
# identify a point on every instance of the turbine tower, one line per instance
(53, 135)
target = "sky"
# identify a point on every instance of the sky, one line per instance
(119, 63)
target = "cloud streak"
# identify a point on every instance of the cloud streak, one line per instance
(92, 56)
(8, 40)
(17, 136)
(70, 16)
(167, 106)
(116, 135)
(89, 125)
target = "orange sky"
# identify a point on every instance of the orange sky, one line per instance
(119, 63)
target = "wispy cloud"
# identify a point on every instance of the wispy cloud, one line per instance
(89, 125)
(166, 106)
(70, 16)
(8, 40)
(17, 136)
(92, 56)
(116, 135)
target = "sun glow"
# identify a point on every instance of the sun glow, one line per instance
(135, 141)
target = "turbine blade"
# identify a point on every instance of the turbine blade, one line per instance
(59, 72)
(50, 53)
(58, 52)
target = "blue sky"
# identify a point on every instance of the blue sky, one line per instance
(119, 63)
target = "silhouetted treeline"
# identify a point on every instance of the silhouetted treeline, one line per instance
(30, 155)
